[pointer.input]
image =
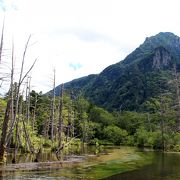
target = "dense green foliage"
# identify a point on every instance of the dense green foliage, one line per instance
(95, 125)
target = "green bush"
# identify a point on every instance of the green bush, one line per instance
(115, 134)
(130, 141)
(141, 137)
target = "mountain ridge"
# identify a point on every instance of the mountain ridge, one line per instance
(132, 81)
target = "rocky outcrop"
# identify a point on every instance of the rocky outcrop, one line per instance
(161, 58)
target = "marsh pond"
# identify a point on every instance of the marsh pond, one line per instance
(112, 163)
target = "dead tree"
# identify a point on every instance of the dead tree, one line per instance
(28, 84)
(53, 108)
(4, 132)
(9, 109)
(21, 79)
(46, 126)
(2, 40)
(12, 85)
(34, 112)
(28, 141)
(70, 127)
(60, 119)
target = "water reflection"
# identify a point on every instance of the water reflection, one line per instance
(46, 155)
(166, 166)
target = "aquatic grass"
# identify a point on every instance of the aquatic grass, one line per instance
(112, 167)
(108, 163)
(114, 162)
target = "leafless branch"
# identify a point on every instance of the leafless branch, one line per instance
(23, 59)
(28, 71)
(1, 45)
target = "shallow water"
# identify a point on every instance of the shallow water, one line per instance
(108, 164)
(165, 166)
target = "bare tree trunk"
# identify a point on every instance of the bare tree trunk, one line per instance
(53, 109)
(9, 108)
(1, 44)
(70, 120)
(69, 124)
(60, 124)
(17, 132)
(46, 128)
(28, 141)
(28, 99)
(4, 132)
(16, 142)
(21, 79)
(34, 113)
(12, 85)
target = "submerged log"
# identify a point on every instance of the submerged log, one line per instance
(41, 165)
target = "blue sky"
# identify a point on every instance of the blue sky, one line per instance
(81, 37)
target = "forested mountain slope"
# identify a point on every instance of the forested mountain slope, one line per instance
(143, 74)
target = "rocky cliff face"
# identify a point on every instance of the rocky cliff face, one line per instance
(161, 59)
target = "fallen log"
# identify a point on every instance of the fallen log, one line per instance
(32, 166)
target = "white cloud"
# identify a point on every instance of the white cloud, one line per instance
(92, 33)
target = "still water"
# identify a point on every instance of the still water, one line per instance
(165, 166)
(112, 163)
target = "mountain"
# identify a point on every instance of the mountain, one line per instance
(128, 84)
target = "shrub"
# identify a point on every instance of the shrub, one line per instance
(115, 134)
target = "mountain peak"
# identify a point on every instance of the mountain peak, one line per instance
(164, 34)
(168, 40)
(163, 37)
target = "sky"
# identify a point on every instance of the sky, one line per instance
(79, 37)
